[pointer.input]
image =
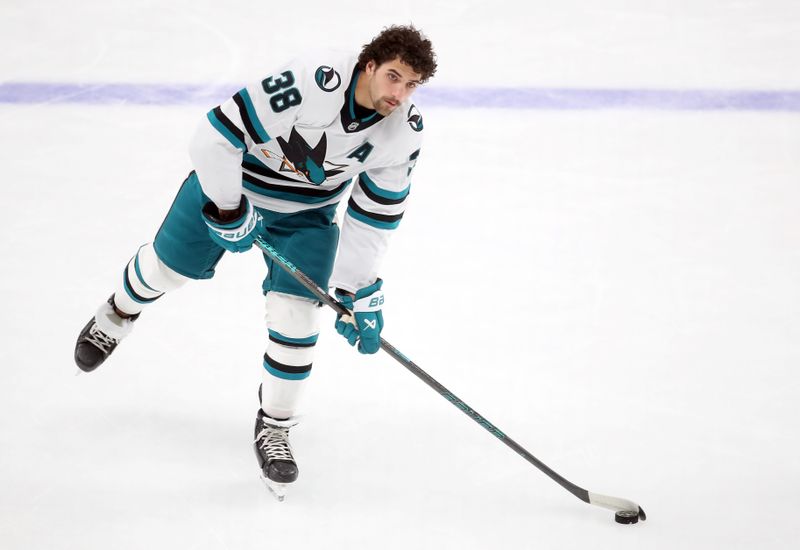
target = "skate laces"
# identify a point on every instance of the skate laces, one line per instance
(274, 440)
(100, 339)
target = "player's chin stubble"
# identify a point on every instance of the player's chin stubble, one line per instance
(384, 108)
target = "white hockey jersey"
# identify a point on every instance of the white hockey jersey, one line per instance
(293, 142)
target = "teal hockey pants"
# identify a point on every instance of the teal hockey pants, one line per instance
(308, 239)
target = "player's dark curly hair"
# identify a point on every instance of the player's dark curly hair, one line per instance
(406, 42)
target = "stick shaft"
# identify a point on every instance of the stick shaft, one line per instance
(328, 300)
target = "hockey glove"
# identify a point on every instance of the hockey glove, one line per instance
(236, 235)
(366, 322)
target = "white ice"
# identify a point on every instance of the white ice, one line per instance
(617, 290)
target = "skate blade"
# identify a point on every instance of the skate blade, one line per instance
(278, 490)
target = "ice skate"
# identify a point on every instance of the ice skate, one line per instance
(274, 454)
(100, 336)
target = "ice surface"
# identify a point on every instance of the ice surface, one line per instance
(617, 290)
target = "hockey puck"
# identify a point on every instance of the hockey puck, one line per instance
(626, 517)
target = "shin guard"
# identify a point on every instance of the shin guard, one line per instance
(293, 325)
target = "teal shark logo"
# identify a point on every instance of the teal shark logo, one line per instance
(306, 160)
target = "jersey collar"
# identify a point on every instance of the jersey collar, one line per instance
(350, 122)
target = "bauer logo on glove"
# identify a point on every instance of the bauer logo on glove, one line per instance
(234, 235)
(365, 325)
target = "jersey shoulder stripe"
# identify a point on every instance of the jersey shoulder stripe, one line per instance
(228, 129)
(249, 117)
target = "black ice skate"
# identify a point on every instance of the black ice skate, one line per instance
(100, 336)
(274, 453)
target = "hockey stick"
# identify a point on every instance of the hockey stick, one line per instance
(627, 511)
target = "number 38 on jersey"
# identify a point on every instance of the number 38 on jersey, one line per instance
(282, 92)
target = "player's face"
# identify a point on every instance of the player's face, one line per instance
(390, 84)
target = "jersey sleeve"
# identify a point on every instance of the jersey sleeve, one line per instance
(374, 211)
(251, 117)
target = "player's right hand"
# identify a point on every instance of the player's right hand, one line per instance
(237, 234)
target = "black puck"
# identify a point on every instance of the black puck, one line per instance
(626, 517)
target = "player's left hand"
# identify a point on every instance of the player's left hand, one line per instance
(366, 322)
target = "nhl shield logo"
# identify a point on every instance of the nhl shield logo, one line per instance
(353, 126)
(415, 119)
(327, 78)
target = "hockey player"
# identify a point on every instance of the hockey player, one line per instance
(274, 161)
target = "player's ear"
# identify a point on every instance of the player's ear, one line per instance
(370, 67)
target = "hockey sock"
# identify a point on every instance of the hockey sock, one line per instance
(293, 325)
(144, 280)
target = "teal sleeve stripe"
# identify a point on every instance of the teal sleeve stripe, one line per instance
(392, 195)
(236, 142)
(370, 221)
(286, 375)
(254, 120)
(287, 339)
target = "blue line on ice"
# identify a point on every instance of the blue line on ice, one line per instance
(495, 98)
